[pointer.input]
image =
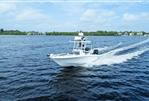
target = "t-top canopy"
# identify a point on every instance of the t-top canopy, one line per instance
(81, 34)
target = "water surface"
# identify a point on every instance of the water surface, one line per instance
(26, 73)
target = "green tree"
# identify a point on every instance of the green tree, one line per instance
(2, 30)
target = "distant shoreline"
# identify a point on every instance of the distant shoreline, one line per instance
(97, 33)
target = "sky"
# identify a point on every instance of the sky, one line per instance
(74, 15)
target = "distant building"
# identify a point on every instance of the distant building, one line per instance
(126, 33)
(131, 33)
(120, 33)
(140, 33)
(146, 35)
(29, 33)
(35, 33)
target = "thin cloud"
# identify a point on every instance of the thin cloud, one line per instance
(129, 17)
(97, 16)
(7, 7)
(30, 15)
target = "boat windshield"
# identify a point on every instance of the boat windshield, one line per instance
(82, 45)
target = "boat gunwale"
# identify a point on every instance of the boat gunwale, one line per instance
(57, 56)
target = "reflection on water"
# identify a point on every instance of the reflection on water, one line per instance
(66, 85)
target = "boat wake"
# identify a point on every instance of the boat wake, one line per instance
(121, 54)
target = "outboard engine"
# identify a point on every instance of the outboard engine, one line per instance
(95, 51)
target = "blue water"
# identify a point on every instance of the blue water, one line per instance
(27, 74)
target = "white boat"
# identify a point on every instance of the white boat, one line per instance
(82, 54)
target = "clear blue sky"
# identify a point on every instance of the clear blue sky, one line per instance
(74, 15)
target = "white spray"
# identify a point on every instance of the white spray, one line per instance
(110, 57)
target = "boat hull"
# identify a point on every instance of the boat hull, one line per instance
(74, 60)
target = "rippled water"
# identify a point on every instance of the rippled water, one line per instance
(26, 73)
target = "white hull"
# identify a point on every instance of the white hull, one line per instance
(74, 60)
(82, 54)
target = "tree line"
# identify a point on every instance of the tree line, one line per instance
(12, 32)
(96, 33)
